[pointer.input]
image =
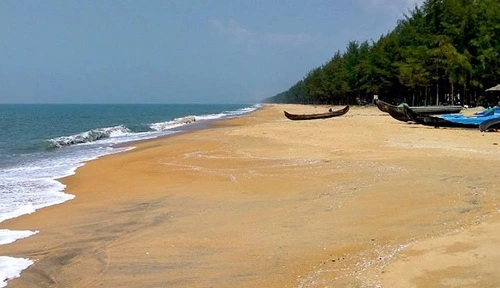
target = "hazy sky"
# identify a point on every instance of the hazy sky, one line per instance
(184, 51)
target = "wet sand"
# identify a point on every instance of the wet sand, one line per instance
(360, 200)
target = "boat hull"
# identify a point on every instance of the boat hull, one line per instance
(316, 116)
(484, 123)
(491, 124)
(399, 114)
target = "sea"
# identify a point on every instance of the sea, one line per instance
(40, 143)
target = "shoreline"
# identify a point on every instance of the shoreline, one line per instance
(191, 127)
(171, 211)
(10, 236)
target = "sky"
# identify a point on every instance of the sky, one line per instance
(183, 51)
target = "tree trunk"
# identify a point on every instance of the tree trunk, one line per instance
(437, 93)
(464, 96)
(426, 95)
(452, 93)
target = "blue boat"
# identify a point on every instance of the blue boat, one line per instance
(490, 118)
(476, 119)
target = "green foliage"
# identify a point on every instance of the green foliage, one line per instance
(445, 49)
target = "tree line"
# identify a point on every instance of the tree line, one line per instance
(442, 52)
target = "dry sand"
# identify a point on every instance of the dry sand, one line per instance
(360, 200)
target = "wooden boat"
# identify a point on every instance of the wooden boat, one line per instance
(428, 120)
(398, 113)
(317, 116)
(383, 106)
(456, 122)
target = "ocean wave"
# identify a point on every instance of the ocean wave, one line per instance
(211, 116)
(244, 110)
(162, 126)
(228, 114)
(88, 136)
(178, 122)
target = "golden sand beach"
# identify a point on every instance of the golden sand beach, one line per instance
(359, 200)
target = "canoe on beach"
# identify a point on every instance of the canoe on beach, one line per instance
(317, 116)
(398, 112)
(455, 120)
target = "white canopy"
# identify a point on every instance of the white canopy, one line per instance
(494, 88)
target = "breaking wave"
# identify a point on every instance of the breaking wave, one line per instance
(162, 126)
(88, 136)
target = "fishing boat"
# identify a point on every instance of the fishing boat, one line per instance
(455, 120)
(328, 114)
(383, 106)
(398, 113)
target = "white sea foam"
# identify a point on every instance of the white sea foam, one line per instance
(21, 210)
(244, 110)
(228, 114)
(211, 116)
(11, 268)
(9, 236)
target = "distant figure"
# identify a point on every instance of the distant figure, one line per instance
(330, 110)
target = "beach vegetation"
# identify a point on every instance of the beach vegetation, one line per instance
(443, 51)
